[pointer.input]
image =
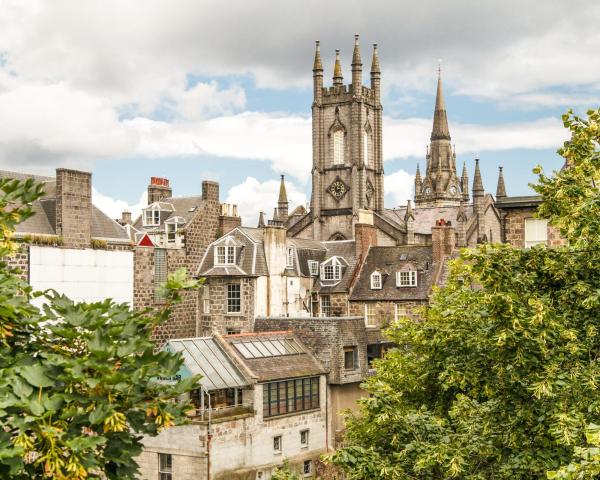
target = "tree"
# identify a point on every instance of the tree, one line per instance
(77, 380)
(500, 378)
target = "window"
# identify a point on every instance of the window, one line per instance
(307, 468)
(160, 271)
(406, 278)
(304, 438)
(399, 311)
(205, 299)
(536, 232)
(277, 444)
(224, 255)
(374, 351)
(338, 147)
(165, 466)
(313, 267)
(376, 281)
(370, 315)
(350, 358)
(290, 257)
(325, 306)
(290, 396)
(151, 217)
(234, 298)
(331, 270)
(171, 232)
(233, 331)
(366, 149)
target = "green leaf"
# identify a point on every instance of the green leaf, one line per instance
(36, 375)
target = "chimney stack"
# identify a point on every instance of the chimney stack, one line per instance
(158, 189)
(443, 240)
(126, 217)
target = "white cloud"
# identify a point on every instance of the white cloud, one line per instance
(114, 207)
(252, 197)
(399, 187)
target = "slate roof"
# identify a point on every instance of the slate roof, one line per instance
(519, 202)
(276, 367)
(389, 260)
(44, 220)
(345, 249)
(205, 356)
(185, 207)
(425, 217)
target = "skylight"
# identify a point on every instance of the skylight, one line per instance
(268, 348)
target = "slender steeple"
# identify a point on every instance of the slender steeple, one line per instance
(375, 75)
(338, 78)
(318, 65)
(275, 215)
(375, 68)
(356, 66)
(477, 181)
(464, 183)
(317, 75)
(261, 220)
(440, 129)
(282, 201)
(501, 188)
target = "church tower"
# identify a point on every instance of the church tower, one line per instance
(441, 186)
(347, 172)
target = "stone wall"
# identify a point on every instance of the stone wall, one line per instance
(385, 311)
(514, 228)
(20, 261)
(74, 207)
(218, 320)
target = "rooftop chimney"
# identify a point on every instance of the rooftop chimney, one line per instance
(158, 189)
(443, 240)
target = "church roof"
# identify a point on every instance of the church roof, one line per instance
(425, 217)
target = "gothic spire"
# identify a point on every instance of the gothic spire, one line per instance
(261, 220)
(275, 215)
(440, 120)
(375, 68)
(501, 188)
(318, 65)
(464, 182)
(282, 191)
(338, 79)
(418, 176)
(477, 181)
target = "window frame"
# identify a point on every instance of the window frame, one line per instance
(307, 472)
(410, 281)
(154, 217)
(376, 281)
(536, 223)
(354, 350)
(165, 472)
(277, 444)
(324, 307)
(291, 396)
(370, 314)
(173, 233)
(227, 257)
(206, 299)
(313, 268)
(304, 441)
(231, 307)
(289, 259)
(331, 270)
(398, 307)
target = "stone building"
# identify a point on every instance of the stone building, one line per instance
(263, 399)
(171, 233)
(69, 245)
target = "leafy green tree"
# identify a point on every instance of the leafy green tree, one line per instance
(500, 378)
(77, 388)
(284, 472)
(586, 462)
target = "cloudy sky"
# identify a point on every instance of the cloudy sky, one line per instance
(195, 90)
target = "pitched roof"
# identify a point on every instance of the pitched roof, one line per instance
(43, 221)
(425, 217)
(345, 249)
(274, 355)
(184, 207)
(389, 260)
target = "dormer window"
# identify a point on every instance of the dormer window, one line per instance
(331, 270)
(151, 217)
(406, 278)
(289, 262)
(224, 255)
(313, 268)
(376, 281)
(172, 226)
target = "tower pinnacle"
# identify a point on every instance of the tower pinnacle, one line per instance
(375, 68)
(318, 65)
(477, 181)
(338, 78)
(501, 188)
(440, 129)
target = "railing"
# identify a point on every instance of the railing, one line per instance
(223, 412)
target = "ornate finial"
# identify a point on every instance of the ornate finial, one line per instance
(356, 60)
(318, 65)
(356, 35)
(501, 188)
(375, 68)
(282, 191)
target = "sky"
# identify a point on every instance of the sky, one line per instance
(193, 90)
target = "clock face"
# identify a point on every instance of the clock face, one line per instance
(338, 189)
(452, 190)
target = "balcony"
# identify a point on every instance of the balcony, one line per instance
(222, 413)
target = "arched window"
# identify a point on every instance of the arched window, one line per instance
(338, 147)
(366, 148)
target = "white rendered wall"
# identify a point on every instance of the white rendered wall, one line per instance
(83, 275)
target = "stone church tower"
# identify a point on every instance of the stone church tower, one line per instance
(347, 172)
(441, 186)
